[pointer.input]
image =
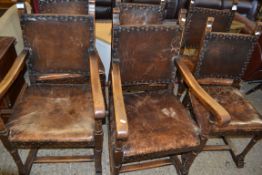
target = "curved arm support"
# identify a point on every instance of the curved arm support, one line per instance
(13, 73)
(221, 115)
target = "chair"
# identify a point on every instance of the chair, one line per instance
(230, 53)
(195, 19)
(63, 107)
(147, 121)
(138, 14)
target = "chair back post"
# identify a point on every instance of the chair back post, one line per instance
(234, 5)
(92, 12)
(192, 4)
(21, 7)
(258, 29)
(163, 5)
(228, 51)
(91, 8)
(116, 13)
(209, 24)
(208, 29)
(182, 18)
(116, 24)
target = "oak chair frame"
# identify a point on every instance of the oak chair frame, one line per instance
(228, 80)
(98, 105)
(118, 125)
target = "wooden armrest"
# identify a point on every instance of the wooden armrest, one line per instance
(98, 98)
(222, 116)
(119, 105)
(13, 73)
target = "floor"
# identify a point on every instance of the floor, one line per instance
(207, 163)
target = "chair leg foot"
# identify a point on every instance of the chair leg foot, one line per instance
(177, 164)
(98, 164)
(187, 160)
(239, 161)
(15, 155)
(30, 160)
(98, 147)
(240, 158)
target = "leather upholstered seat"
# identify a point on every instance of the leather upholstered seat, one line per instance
(53, 114)
(244, 117)
(158, 122)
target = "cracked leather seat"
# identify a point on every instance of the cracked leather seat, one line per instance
(244, 117)
(47, 114)
(158, 122)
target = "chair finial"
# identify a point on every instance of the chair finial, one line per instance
(209, 24)
(258, 29)
(234, 5)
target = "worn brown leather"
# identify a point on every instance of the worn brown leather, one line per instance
(135, 14)
(244, 117)
(155, 59)
(64, 7)
(157, 123)
(71, 32)
(196, 20)
(53, 114)
(254, 68)
(221, 56)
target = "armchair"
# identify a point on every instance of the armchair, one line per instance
(147, 121)
(63, 107)
(230, 53)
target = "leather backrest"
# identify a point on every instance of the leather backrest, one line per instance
(146, 53)
(196, 20)
(135, 14)
(59, 45)
(63, 6)
(254, 68)
(224, 55)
